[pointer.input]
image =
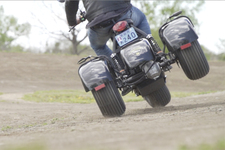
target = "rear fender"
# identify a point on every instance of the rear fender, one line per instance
(178, 32)
(93, 74)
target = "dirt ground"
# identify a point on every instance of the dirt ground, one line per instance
(56, 126)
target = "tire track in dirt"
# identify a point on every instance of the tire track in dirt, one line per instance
(190, 120)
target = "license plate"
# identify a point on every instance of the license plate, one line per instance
(126, 36)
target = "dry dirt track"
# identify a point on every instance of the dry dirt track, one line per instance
(56, 126)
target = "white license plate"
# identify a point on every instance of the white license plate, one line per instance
(126, 36)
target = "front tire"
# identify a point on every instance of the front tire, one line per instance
(109, 100)
(159, 98)
(193, 61)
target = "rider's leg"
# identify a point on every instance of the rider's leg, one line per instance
(141, 22)
(139, 19)
(98, 39)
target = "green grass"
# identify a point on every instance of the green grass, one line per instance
(6, 128)
(29, 146)
(61, 96)
(80, 96)
(220, 145)
(70, 96)
(2, 100)
(186, 94)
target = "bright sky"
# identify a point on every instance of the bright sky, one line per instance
(211, 18)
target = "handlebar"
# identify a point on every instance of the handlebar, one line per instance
(81, 18)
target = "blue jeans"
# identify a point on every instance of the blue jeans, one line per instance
(99, 37)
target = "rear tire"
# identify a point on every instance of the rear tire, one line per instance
(159, 98)
(193, 61)
(109, 100)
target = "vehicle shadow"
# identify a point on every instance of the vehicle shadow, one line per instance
(185, 107)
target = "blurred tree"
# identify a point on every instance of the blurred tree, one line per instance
(221, 46)
(208, 54)
(158, 11)
(75, 37)
(10, 30)
(222, 56)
